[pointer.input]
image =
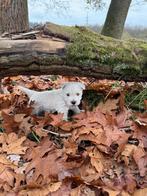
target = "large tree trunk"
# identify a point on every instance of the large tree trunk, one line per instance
(87, 54)
(13, 16)
(116, 18)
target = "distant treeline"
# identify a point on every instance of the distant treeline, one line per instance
(135, 32)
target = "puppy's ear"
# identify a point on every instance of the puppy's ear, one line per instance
(82, 85)
(64, 85)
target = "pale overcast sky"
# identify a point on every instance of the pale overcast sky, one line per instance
(77, 14)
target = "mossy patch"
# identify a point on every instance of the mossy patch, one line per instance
(125, 69)
(82, 50)
(90, 48)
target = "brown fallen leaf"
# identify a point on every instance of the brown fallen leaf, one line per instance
(42, 191)
(140, 158)
(5, 101)
(39, 131)
(130, 182)
(88, 173)
(9, 123)
(140, 192)
(128, 153)
(7, 175)
(15, 146)
(109, 106)
(82, 190)
(42, 163)
(97, 160)
(6, 163)
(111, 192)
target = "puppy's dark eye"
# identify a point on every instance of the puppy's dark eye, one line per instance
(68, 94)
(78, 94)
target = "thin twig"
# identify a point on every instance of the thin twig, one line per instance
(127, 128)
(58, 134)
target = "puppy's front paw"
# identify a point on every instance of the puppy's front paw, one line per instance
(82, 110)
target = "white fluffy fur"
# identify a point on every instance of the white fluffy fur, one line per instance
(60, 100)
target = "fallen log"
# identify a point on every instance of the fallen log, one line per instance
(78, 52)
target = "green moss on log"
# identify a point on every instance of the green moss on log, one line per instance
(90, 48)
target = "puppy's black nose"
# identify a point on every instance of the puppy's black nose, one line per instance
(73, 102)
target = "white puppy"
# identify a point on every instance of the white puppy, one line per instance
(61, 100)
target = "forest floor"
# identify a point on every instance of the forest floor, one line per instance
(102, 151)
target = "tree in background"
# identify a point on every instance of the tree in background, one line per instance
(14, 13)
(116, 18)
(13, 16)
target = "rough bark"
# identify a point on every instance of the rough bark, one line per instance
(116, 18)
(13, 16)
(88, 54)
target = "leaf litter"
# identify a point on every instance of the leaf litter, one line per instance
(99, 152)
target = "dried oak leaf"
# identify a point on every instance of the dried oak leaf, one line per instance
(42, 191)
(42, 121)
(115, 136)
(6, 163)
(140, 133)
(111, 192)
(109, 106)
(88, 173)
(65, 189)
(19, 102)
(7, 176)
(42, 162)
(114, 178)
(41, 84)
(124, 193)
(97, 160)
(83, 119)
(6, 173)
(130, 182)
(97, 131)
(140, 192)
(70, 147)
(57, 121)
(25, 125)
(41, 149)
(8, 122)
(116, 193)
(38, 130)
(3, 137)
(123, 118)
(140, 157)
(94, 117)
(99, 135)
(19, 181)
(5, 101)
(82, 190)
(14, 145)
(127, 153)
